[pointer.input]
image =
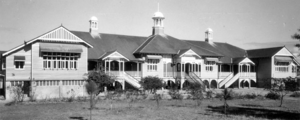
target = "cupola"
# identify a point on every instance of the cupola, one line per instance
(208, 35)
(93, 25)
(158, 28)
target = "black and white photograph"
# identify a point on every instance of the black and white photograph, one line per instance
(149, 59)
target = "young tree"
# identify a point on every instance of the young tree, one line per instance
(196, 90)
(226, 95)
(152, 84)
(283, 87)
(174, 92)
(93, 90)
(96, 82)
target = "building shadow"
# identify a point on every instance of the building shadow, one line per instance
(256, 112)
(77, 118)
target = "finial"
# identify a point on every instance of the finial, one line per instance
(61, 24)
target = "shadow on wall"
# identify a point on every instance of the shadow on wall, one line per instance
(256, 112)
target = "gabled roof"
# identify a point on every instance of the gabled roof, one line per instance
(241, 59)
(113, 54)
(54, 35)
(161, 44)
(187, 51)
(263, 52)
(165, 44)
(105, 43)
(223, 49)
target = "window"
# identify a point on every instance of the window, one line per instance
(152, 65)
(294, 69)
(178, 67)
(209, 65)
(282, 66)
(60, 60)
(19, 64)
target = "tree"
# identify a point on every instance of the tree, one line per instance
(152, 84)
(196, 90)
(226, 95)
(283, 87)
(92, 89)
(297, 37)
(96, 82)
(101, 79)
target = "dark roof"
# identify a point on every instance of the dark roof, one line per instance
(155, 44)
(160, 44)
(104, 43)
(224, 49)
(237, 60)
(263, 52)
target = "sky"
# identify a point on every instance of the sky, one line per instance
(248, 24)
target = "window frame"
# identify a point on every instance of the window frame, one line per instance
(19, 61)
(209, 66)
(60, 61)
(152, 65)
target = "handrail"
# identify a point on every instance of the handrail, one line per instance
(131, 76)
(135, 82)
(197, 78)
(226, 80)
(189, 77)
(235, 77)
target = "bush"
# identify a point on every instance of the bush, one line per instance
(273, 95)
(250, 96)
(295, 94)
(18, 93)
(175, 95)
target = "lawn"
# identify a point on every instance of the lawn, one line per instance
(147, 110)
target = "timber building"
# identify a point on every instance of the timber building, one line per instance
(53, 64)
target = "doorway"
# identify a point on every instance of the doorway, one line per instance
(187, 68)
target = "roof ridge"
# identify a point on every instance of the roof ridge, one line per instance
(205, 49)
(266, 48)
(143, 43)
(111, 34)
(148, 42)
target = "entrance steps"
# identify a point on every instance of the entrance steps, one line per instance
(229, 80)
(193, 78)
(132, 81)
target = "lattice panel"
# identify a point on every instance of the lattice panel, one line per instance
(60, 34)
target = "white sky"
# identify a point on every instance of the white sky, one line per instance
(245, 23)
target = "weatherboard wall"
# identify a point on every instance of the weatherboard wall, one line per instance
(13, 74)
(39, 73)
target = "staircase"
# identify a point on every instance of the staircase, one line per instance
(195, 77)
(225, 80)
(132, 81)
(232, 80)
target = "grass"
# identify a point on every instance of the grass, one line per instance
(146, 109)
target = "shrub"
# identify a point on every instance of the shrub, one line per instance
(18, 93)
(152, 83)
(196, 90)
(273, 95)
(175, 94)
(250, 96)
(295, 94)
